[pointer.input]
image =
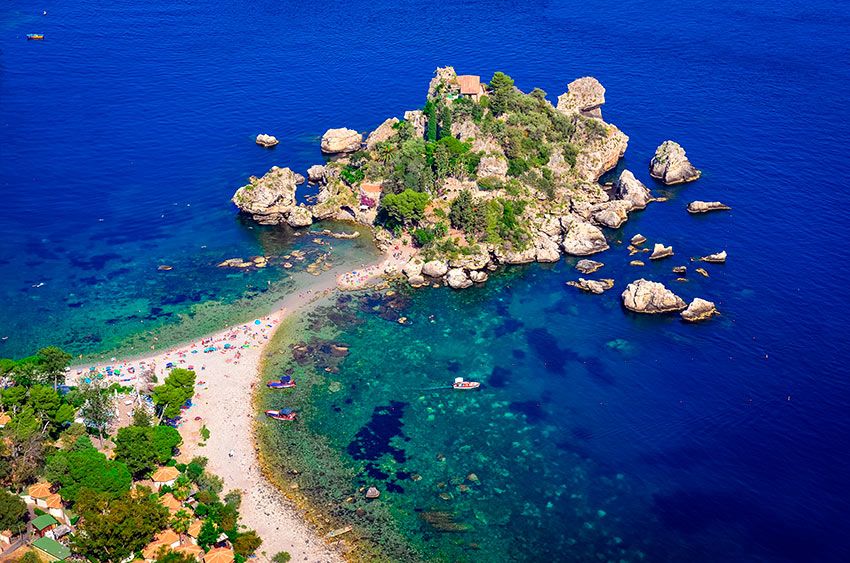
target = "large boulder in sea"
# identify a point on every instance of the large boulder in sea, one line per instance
(435, 269)
(586, 266)
(546, 249)
(384, 132)
(671, 166)
(336, 141)
(706, 206)
(316, 174)
(585, 96)
(593, 286)
(660, 251)
(644, 296)
(267, 141)
(583, 239)
(628, 188)
(268, 199)
(457, 279)
(699, 310)
(611, 214)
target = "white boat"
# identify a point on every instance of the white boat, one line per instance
(461, 384)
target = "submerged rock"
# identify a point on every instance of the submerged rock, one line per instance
(628, 188)
(716, 258)
(372, 493)
(706, 206)
(586, 266)
(267, 141)
(671, 166)
(699, 310)
(660, 251)
(342, 140)
(583, 239)
(593, 286)
(644, 296)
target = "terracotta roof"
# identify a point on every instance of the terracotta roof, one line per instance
(371, 188)
(54, 501)
(168, 536)
(168, 501)
(6, 533)
(195, 551)
(152, 549)
(195, 528)
(469, 83)
(165, 474)
(39, 490)
(5, 419)
(219, 555)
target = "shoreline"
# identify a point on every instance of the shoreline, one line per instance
(227, 384)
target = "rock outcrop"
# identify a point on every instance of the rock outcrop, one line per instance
(492, 167)
(478, 276)
(593, 286)
(267, 141)
(316, 174)
(628, 188)
(457, 279)
(337, 141)
(384, 131)
(611, 214)
(435, 269)
(418, 120)
(660, 251)
(699, 310)
(413, 268)
(638, 239)
(706, 206)
(644, 296)
(546, 250)
(671, 166)
(716, 258)
(586, 266)
(602, 146)
(269, 199)
(583, 239)
(300, 217)
(584, 96)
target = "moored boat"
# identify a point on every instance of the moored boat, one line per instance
(282, 414)
(464, 385)
(285, 382)
(35, 36)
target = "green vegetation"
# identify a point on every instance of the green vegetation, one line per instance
(178, 388)
(83, 467)
(405, 208)
(281, 557)
(12, 511)
(143, 448)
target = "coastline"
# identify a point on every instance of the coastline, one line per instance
(225, 402)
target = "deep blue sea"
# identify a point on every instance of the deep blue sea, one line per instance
(125, 132)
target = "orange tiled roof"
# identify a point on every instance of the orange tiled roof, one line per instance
(165, 474)
(40, 490)
(219, 555)
(371, 188)
(168, 536)
(5, 419)
(54, 501)
(469, 83)
(195, 528)
(152, 549)
(168, 501)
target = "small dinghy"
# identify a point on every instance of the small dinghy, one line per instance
(461, 384)
(282, 414)
(285, 382)
(35, 36)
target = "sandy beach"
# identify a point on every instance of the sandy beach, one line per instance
(226, 378)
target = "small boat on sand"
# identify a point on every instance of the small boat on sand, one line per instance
(461, 384)
(35, 36)
(282, 414)
(285, 382)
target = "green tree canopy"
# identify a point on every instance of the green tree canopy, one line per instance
(53, 361)
(405, 208)
(83, 467)
(12, 511)
(177, 388)
(502, 93)
(112, 529)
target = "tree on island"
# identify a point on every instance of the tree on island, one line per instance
(405, 208)
(177, 388)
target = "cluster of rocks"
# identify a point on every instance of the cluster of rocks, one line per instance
(255, 262)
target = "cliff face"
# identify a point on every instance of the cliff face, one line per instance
(269, 199)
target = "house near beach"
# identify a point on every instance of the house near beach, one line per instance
(470, 86)
(370, 194)
(165, 477)
(49, 549)
(172, 504)
(168, 539)
(38, 494)
(44, 524)
(219, 555)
